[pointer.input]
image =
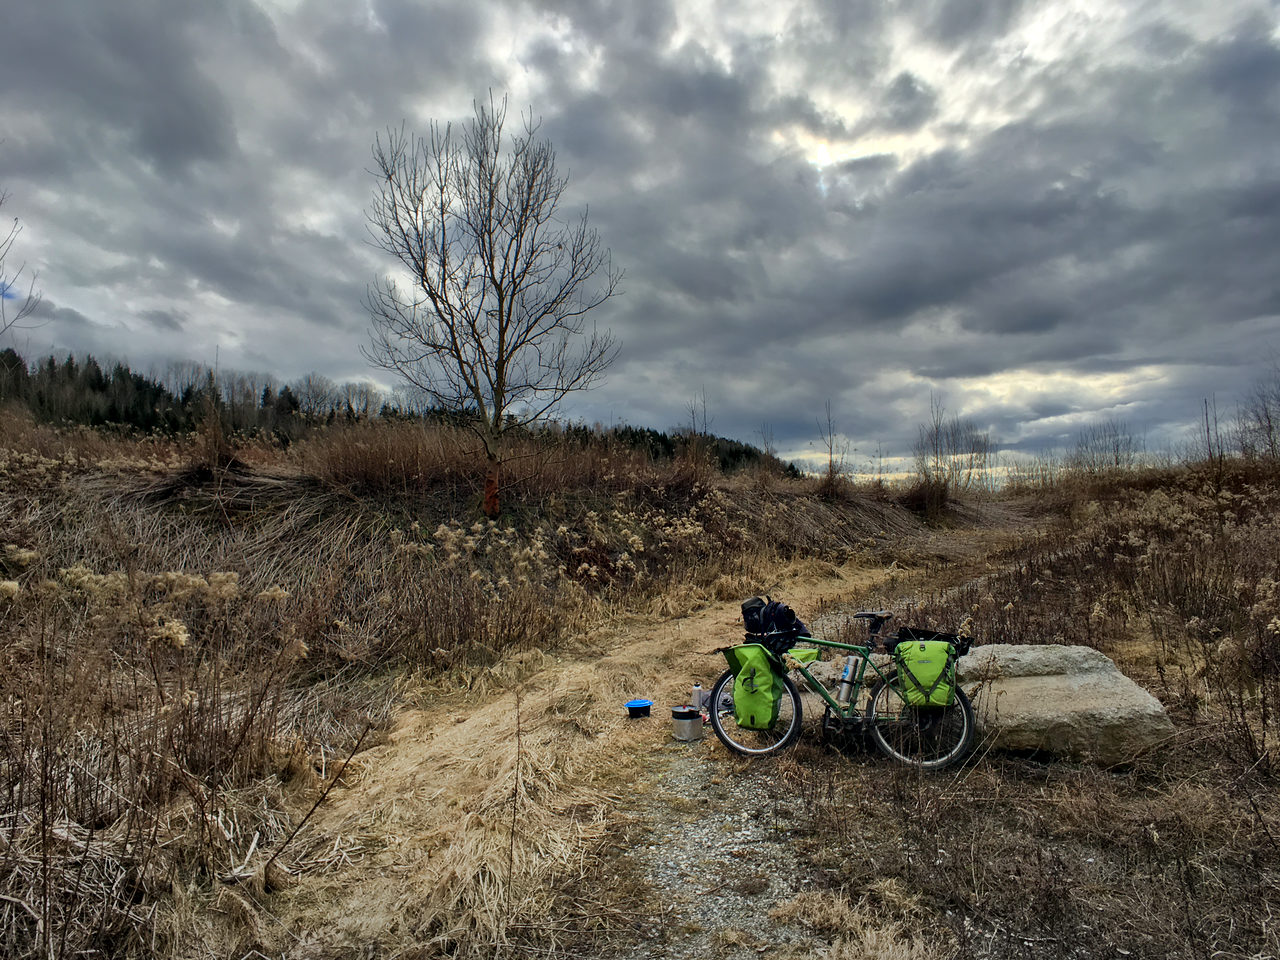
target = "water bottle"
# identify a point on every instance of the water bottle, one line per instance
(696, 701)
(846, 681)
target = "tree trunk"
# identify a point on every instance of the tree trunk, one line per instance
(491, 506)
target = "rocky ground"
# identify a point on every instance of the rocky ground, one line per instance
(714, 846)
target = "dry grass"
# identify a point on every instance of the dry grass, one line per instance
(859, 931)
(192, 643)
(1177, 577)
(191, 649)
(500, 812)
(860, 928)
(408, 460)
(1176, 855)
(1169, 859)
(23, 437)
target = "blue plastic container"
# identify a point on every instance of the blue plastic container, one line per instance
(638, 708)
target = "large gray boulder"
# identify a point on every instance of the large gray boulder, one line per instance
(1070, 701)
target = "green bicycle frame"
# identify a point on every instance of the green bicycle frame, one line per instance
(849, 711)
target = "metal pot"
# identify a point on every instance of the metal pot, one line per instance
(686, 723)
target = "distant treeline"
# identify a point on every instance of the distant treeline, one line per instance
(82, 392)
(176, 400)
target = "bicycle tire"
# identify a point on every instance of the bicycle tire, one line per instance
(755, 743)
(927, 738)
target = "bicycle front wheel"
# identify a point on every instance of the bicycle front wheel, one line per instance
(755, 743)
(928, 738)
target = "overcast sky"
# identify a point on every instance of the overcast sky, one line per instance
(1045, 213)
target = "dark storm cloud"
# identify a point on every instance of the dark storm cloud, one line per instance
(703, 277)
(839, 41)
(64, 317)
(1011, 229)
(1086, 238)
(375, 61)
(148, 171)
(1054, 228)
(120, 68)
(1246, 73)
(164, 319)
(949, 22)
(193, 176)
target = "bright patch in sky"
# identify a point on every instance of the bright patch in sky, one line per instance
(1104, 391)
(1044, 213)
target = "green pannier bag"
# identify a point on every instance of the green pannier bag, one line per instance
(928, 672)
(757, 686)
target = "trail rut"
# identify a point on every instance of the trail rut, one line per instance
(424, 829)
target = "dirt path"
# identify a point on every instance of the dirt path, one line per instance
(418, 849)
(482, 821)
(715, 852)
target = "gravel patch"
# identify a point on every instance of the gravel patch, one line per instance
(715, 848)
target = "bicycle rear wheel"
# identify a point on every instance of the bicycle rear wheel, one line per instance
(928, 738)
(755, 743)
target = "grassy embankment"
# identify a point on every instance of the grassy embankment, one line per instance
(1175, 574)
(192, 648)
(193, 644)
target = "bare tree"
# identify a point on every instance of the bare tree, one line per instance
(767, 443)
(359, 399)
(769, 467)
(1258, 419)
(182, 377)
(492, 319)
(15, 306)
(837, 448)
(409, 399)
(242, 392)
(317, 395)
(951, 453)
(699, 420)
(1106, 445)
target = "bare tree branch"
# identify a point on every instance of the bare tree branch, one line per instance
(950, 452)
(491, 318)
(15, 306)
(1258, 418)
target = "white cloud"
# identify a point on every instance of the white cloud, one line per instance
(1047, 212)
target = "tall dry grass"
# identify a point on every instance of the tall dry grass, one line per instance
(410, 459)
(154, 690)
(1013, 857)
(21, 436)
(187, 642)
(177, 662)
(186, 654)
(1173, 573)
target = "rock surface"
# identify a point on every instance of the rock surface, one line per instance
(1070, 701)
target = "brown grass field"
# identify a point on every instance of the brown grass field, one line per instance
(308, 704)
